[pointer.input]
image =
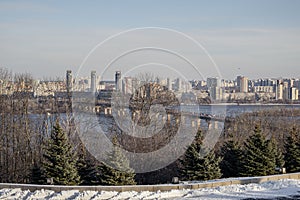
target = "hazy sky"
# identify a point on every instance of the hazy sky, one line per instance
(252, 38)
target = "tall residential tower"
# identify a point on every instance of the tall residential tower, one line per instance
(69, 81)
(118, 81)
(93, 82)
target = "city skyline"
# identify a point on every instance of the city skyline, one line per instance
(252, 38)
(241, 89)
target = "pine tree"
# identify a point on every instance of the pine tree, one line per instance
(86, 168)
(196, 167)
(116, 169)
(59, 159)
(231, 153)
(258, 156)
(292, 152)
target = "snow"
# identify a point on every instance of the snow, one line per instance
(288, 188)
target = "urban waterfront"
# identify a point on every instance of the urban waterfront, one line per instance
(150, 99)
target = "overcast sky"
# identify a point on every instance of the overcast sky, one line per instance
(251, 38)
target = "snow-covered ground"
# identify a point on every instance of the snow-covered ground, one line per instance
(288, 188)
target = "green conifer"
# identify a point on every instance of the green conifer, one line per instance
(292, 152)
(258, 155)
(60, 159)
(36, 175)
(86, 167)
(195, 166)
(231, 153)
(116, 169)
(279, 158)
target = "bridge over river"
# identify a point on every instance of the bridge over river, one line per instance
(106, 109)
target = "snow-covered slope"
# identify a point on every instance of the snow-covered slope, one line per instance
(288, 188)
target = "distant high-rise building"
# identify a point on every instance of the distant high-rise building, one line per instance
(128, 85)
(265, 82)
(214, 88)
(169, 84)
(118, 81)
(216, 93)
(213, 82)
(69, 81)
(290, 82)
(186, 86)
(279, 91)
(238, 83)
(178, 84)
(242, 83)
(93, 82)
(293, 94)
(297, 84)
(286, 91)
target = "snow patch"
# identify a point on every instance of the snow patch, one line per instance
(268, 190)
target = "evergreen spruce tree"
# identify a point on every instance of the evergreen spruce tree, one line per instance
(86, 168)
(292, 152)
(36, 176)
(59, 159)
(271, 157)
(279, 158)
(231, 153)
(258, 156)
(196, 167)
(116, 169)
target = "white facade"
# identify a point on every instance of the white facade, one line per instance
(294, 92)
(243, 84)
(279, 92)
(266, 89)
(128, 85)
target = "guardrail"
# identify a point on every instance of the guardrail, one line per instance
(154, 188)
